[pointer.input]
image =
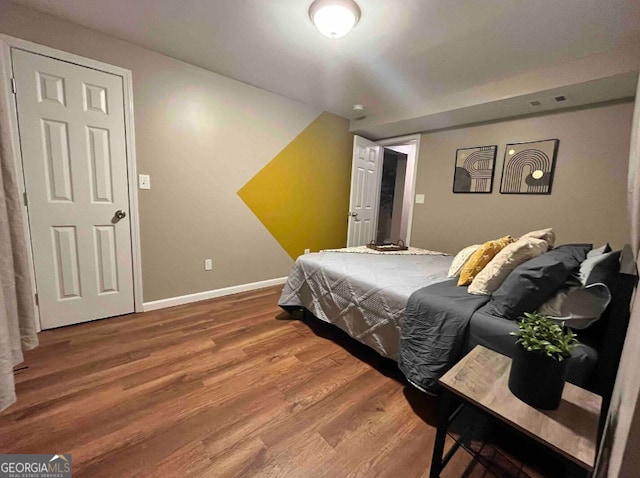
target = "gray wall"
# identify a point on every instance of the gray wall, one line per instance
(588, 199)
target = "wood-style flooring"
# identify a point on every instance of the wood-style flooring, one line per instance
(225, 387)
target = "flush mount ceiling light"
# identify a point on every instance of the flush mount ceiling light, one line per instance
(334, 18)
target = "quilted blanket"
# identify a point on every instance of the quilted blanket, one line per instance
(363, 294)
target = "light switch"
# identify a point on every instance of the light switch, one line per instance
(144, 181)
(419, 198)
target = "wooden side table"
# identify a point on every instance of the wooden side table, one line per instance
(481, 379)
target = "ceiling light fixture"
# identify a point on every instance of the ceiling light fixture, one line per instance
(334, 18)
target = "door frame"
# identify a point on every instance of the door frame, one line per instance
(407, 140)
(6, 71)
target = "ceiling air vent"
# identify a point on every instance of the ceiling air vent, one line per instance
(535, 103)
(560, 98)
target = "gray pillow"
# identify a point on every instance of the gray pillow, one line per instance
(597, 263)
(599, 251)
(605, 270)
(577, 307)
(532, 283)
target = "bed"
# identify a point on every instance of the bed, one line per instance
(365, 294)
(380, 299)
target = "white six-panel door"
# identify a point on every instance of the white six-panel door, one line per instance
(365, 192)
(72, 136)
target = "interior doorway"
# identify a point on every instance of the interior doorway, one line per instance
(394, 170)
(397, 189)
(382, 190)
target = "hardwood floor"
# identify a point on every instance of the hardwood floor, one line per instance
(225, 387)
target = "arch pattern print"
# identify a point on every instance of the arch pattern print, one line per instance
(474, 169)
(529, 167)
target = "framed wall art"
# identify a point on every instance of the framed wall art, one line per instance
(528, 167)
(474, 169)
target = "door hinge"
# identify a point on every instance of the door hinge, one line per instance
(37, 300)
(26, 200)
(14, 88)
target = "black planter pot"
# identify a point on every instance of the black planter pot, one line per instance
(537, 379)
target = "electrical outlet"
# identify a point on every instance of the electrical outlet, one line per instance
(419, 198)
(208, 264)
(307, 251)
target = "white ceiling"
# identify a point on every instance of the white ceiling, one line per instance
(402, 53)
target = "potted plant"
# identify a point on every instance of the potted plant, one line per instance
(540, 360)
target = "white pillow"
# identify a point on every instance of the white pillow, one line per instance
(545, 234)
(461, 258)
(495, 272)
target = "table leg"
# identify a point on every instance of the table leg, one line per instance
(444, 402)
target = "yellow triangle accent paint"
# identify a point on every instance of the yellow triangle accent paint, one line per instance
(302, 195)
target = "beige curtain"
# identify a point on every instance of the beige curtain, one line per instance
(618, 456)
(17, 315)
(633, 181)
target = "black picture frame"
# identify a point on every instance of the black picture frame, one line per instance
(468, 178)
(518, 156)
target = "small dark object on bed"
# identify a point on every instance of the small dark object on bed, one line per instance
(388, 247)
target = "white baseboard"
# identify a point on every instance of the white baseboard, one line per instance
(211, 294)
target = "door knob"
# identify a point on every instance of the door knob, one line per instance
(120, 214)
(353, 214)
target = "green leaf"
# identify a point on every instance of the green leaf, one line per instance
(538, 334)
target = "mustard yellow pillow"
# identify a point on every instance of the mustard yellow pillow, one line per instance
(481, 258)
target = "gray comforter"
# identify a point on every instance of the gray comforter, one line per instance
(433, 330)
(363, 294)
